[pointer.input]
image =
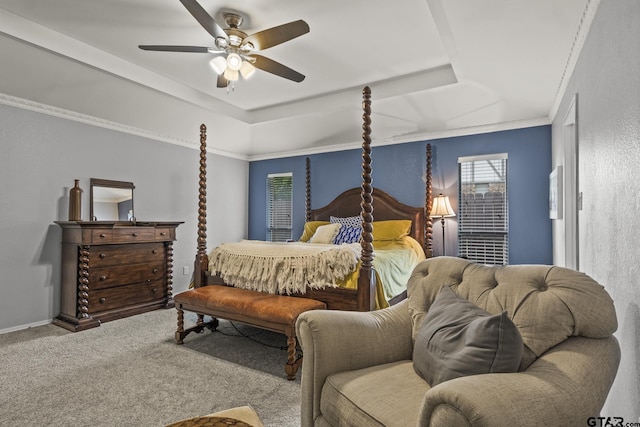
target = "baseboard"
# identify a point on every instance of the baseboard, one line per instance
(27, 326)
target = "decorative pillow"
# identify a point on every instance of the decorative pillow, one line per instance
(310, 228)
(325, 233)
(350, 221)
(348, 235)
(393, 229)
(457, 339)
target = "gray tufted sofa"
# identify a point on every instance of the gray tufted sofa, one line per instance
(357, 368)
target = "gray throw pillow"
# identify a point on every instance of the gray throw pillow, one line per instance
(458, 338)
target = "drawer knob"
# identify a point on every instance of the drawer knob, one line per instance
(103, 300)
(103, 277)
(155, 270)
(134, 234)
(154, 251)
(103, 256)
(154, 290)
(102, 235)
(162, 233)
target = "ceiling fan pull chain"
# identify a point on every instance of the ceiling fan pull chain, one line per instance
(231, 84)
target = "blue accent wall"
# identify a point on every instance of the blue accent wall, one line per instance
(400, 170)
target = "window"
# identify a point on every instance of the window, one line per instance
(483, 221)
(279, 203)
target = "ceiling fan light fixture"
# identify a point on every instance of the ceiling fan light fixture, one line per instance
(219, 64)
(234, 61)
(232, 50)
(246, 69)
(231, 75)
(221, 43)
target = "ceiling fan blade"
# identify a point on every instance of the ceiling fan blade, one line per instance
(273, 67)
(274, 36)
(207, 22)
(222, 82)
(162, 48)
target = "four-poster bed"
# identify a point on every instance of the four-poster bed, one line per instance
(278, 311)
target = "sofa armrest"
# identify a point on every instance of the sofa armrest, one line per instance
(565, 386)
(336, 341)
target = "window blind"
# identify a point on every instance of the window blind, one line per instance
(279, 206)
(483, 219)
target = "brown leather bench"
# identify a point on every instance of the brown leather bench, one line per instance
(276, 313)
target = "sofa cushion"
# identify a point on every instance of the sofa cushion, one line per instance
(382, 395)
(548, 304)
(457, 339)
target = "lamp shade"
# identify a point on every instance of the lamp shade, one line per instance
(246, 69)
(219, 64)
(441, 207)
(231, 75)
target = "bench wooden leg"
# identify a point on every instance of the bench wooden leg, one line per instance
(294, 359)
(180, 333)
(199, 327)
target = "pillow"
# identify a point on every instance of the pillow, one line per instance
(350, 221)
(457, 339)
(325, 233)
(391, 229)
(310, 228)
(348, 235)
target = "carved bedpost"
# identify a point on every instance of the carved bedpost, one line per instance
(367, 280)
(307, 207)
(201, 264)
(428, 204)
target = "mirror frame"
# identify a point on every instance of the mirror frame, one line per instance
(96, 182)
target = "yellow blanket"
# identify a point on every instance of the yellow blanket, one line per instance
(394, 261)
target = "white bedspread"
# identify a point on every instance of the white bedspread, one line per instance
(283, 268)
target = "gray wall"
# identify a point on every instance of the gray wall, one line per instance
(41, 155)
(607, 83)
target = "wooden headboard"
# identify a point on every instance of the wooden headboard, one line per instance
(385, 207)
(381, 206)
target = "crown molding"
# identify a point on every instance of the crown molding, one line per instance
(407, 138)
(37, 107)
(62, 113)
(586, 20)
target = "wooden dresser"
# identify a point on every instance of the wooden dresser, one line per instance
(114, 269)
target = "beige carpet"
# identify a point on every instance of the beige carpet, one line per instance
(130, 372)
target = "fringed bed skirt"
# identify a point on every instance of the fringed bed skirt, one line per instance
(283, 268)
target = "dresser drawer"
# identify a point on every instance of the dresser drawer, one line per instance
(100, 278)
(123, 296)
(101, 236)
(163, 234)
(132, 235)
(123, 235)
(108, 255)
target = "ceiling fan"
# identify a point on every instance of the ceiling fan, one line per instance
(234, 50)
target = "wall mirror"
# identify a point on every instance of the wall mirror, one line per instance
(111, 200)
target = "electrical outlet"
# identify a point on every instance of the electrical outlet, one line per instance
(185, 270)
